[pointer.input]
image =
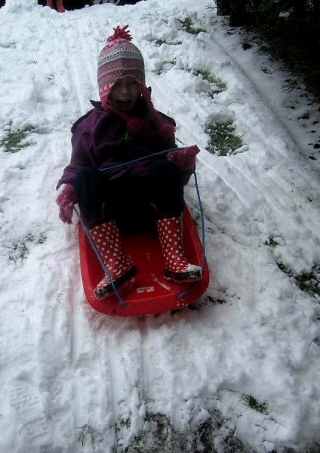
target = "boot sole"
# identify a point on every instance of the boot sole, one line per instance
(108, 290)
(183, 277)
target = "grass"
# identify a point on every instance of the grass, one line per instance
(159, 432)
(223, 139)
(218, 84)
(20, 248)
(164, 66)
(308, 282)
(160, 435)
(89, 436)
(251, 402)
(188, 26)
(160, 41)
(16, 140)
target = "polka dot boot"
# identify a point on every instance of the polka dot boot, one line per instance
(176, 264)
(121, 269)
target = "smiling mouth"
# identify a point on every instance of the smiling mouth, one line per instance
(124, 104)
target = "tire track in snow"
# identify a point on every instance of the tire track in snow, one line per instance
(76, 43)
(77, 61)
(126, 378)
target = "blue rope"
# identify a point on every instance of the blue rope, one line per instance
(187, 291)
(96, 251)
(138, 159)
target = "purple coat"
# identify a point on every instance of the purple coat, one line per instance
(100, 139)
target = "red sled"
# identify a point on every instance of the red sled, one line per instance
(151, 293)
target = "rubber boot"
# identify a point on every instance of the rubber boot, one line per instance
(60, 7)
(121, 269)
(177, 267)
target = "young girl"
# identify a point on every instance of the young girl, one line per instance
(115, 194)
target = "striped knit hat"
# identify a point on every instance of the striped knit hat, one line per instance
(118, 59)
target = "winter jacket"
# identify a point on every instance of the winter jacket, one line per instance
(100, 139)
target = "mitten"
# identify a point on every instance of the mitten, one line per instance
(66, 200)
(185, 158)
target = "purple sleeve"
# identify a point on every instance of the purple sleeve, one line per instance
(81, 142)
(79, 159)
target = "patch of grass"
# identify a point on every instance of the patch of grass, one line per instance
(161, 41)
(211, 78)
(123, 423)
(20, 249)
(164, 66)
(188, 26)
(160, 435)
(215, 300)
(89, 436)
(272, 242)
(16, 140)
(208, 301)
(308, 282)
(251, 402)
(218, 84)
(223, 139)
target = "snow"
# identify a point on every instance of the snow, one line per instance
(241, 368)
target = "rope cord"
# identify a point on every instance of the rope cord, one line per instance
(138, 159)
(187, 291)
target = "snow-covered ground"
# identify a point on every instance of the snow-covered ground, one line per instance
(239, 372)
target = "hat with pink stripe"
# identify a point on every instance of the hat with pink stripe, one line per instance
(118, 59)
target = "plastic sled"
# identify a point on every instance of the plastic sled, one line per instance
(151, 293)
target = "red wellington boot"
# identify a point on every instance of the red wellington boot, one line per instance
(120, 267)
(177, 267)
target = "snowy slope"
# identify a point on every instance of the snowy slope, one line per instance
(240, 371)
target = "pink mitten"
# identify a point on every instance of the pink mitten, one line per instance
(184, 158)
(66, 201)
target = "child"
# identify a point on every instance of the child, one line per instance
(114, 196)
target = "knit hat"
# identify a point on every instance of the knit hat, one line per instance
(118, 59)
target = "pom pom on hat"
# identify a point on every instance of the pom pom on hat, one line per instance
(120, 33)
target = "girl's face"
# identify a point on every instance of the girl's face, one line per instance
(124, 94)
